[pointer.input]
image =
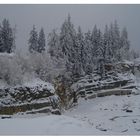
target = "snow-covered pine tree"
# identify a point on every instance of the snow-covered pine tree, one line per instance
(116, 39)
(96, 47)
(105, 46)
(54, 44)
(80, 51)
(6, 37)
(101, 54)
(55, 52)
(67, 42)
(99, 44)
(33, 40)
(14, 38)
(125, 44)
(94, 40)
(88, 66)
(41, 41)
(111, 43)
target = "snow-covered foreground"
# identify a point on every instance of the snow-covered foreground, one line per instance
(112, 115)
(45, 125)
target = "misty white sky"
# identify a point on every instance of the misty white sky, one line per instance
(52, 16)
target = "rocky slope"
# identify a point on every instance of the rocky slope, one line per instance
(36, 98)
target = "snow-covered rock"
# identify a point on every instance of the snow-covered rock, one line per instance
(28, 97)
(90, 84)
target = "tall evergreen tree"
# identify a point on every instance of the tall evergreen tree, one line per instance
(101, 56)
(33, 40)
(125, 44)
(14, 38)
(111, 42)
(117, 40)
(88, 53)
(95, 41)
(78, 53)
(67, 42)
(41, 41)
(54, 45)
(105, 49)
(80, 50)
(6, 37)
(100, 48)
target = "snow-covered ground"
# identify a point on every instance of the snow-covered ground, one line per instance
(119, 115)
(111, 115)
(46, 125)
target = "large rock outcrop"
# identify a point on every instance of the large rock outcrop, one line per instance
(30, 99)
(94, 83)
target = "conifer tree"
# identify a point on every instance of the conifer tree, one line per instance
(53, 43)
(67, 42)
(125, 44)
(116, 39)
(105, 49)
(94, 40)
(6, 37)
(88, 53)
(41, 41)
(33, 40)
(80, 50)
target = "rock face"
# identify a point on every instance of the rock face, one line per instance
(117, 92)
(92, 86)
(31, 99)
(85, 87)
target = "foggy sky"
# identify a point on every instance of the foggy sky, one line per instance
(52, 16)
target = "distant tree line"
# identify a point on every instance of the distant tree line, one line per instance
(85, 52)
(77, 52)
